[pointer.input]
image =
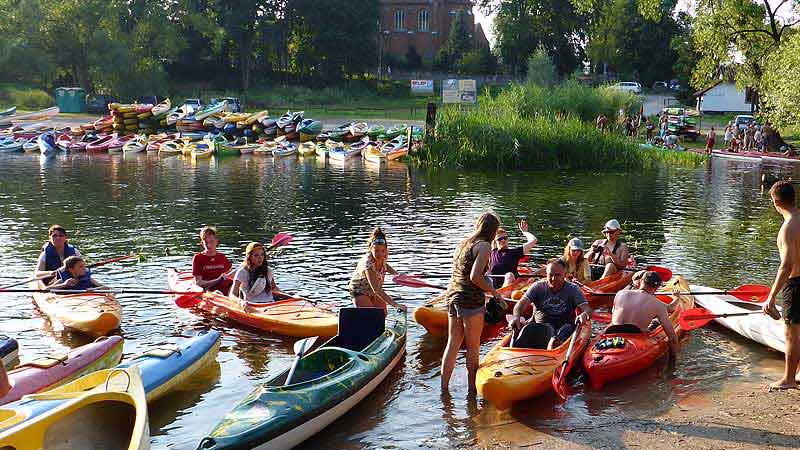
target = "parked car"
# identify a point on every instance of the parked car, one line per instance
(629, 86)
(743, 120)
(98, 104)
(232, 104)
(660, 85)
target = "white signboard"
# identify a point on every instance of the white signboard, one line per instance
(459, 91)
(422, 87)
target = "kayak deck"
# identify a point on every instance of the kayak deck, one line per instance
(93, 314)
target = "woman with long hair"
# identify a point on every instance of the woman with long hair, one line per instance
(366, 283)
(577, 265)
(466, 299)
(504, 260)
(254, 281)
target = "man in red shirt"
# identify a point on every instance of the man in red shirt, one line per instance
(210, 269)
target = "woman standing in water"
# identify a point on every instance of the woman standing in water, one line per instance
(466, 298)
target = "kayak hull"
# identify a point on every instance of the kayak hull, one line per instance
(639, 350)
(59, 369)
(508, 375)
(275, 416)
(92, 314)
(295, 317)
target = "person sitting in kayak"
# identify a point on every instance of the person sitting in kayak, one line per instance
(610, 255)
(253, 281)
(366, 283)
(503, 261)
(209, 267)
(554, 303)
(54, 252)
(74, 275)
(635, 309)
(577, 265)
(5, 385)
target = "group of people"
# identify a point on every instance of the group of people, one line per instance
(748, 139)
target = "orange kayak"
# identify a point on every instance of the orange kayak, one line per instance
(614, 356)
(610, 284)
(507, 375)
(93, 314)
(287, 316)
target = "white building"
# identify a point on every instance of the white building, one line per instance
(723, 96)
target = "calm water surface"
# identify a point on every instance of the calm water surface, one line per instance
(712, 225)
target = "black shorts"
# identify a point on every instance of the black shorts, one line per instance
(791, 301)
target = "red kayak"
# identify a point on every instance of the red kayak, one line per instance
(54, 370)
(618, 353)
(610, 284)
(100, 144)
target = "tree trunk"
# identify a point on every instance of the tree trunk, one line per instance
(245, 59)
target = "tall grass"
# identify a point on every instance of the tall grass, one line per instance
(25, 98)
(528, 126)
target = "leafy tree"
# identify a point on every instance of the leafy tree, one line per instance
(457, 44)
(541, 70)
(478, 61)
(682, 45)
(780, 95)
(413, 59)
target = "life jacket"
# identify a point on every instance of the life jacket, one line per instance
(614, 250)
(84, 282)
(51, 258)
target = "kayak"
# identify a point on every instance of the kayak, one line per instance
(757, 327)
(9, 351)
(610, 284)
(50, 371)
(433, 314)
(306, 149)
(613, 356)
(507, 375)
(373, 154)
(111, 415)
(90, 313)
(284, 150)
(288, 316)
(327, 383)
(754, 157)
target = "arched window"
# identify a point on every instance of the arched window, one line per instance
(423, 17)
(399, 19)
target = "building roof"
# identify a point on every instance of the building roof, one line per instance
(702, 92)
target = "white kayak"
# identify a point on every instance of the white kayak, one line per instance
(757, 327)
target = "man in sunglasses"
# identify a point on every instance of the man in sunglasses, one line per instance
(610, 255)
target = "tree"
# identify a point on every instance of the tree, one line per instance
(541, 70)
(413, 59)
(779, 84)
(683, 46)
(479, 61)
(458, 42)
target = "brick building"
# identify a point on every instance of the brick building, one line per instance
(423, 24)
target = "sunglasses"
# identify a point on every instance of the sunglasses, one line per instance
(503, 238)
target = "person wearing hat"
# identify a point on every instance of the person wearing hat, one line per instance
(504, 261)
(634, 309)
(577, 265)
(610, 255)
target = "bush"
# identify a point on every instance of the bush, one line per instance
(25, 98)
(541, 70)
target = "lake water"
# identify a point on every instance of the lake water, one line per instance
(714, 225)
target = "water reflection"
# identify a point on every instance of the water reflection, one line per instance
(713, 224)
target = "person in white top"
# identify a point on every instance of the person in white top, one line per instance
(253, 281)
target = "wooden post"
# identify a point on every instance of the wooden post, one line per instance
(430, 120)
(409, 135)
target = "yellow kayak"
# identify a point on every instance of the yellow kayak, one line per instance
(307, 149)
(110, 412)
(201, 149)
(90, 313)
(373, 154)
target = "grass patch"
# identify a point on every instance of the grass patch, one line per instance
(24, 98)
(542, 128)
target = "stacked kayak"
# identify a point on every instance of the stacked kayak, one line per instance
(757, 327)
(9, 351)
(508, 374)
(112, 414)
(617, 355)
(433, 314)
(50, 371)
(91, 313)
(326, 384)
(286, 316)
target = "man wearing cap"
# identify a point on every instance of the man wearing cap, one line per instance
(609, 255)
(634, 309)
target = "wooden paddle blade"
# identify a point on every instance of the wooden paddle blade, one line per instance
(663, 273)
(753, 293)
(409, 281)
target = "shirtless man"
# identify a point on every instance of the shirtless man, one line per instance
(5, 386)
(787, 280)
(609, 255)
(639, 306)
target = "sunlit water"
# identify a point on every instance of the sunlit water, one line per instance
(713, 225)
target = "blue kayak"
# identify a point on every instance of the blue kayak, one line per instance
(162, 368)
(9, 351)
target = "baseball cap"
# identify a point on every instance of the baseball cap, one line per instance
(651, 278)
(611, 225)
(576, 244)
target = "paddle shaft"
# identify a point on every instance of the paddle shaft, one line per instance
(611, 294)
(42, 277)
(100, 291)
(719, 316)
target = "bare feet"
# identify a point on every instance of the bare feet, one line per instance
(782, 385)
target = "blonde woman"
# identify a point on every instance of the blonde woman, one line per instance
(466, 299)
(254, 281)
(366, 283)
(577, 265)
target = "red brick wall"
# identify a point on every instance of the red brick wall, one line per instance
(396, 41)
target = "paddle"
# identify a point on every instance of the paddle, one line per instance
(100, 291)
(300, 347)
(695, 318)
(510, 320)
(751, 293)
(91, 266)
(190, 301)
(663, 273)
(413, 282)
(560, 374)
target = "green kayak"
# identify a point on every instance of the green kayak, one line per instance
(227, 147)
(395, 131)
(326, 384)
(375, 131)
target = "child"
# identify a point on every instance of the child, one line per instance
(74, 275)
(254, 281)
(366, 283)
(209, 268)
(712, 136)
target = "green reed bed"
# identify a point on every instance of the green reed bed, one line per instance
(542, 128)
